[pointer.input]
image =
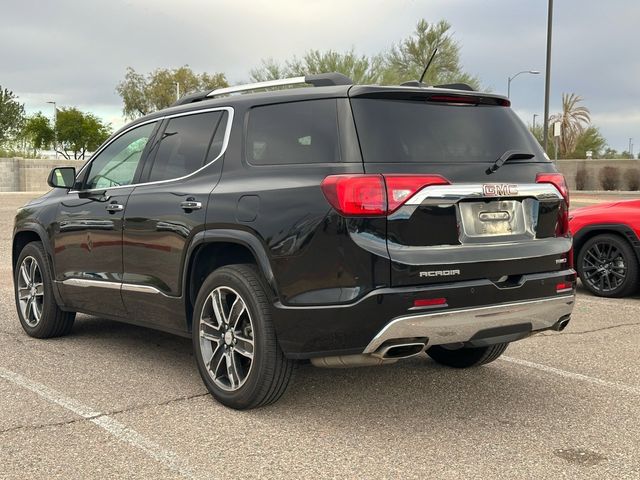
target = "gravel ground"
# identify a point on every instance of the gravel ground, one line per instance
(118, 401)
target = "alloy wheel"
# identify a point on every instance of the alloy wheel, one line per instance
(30, 291)
(604, 267)
(226, 338)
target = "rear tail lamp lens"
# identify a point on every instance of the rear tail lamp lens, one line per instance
(373, 195)
(558, 181)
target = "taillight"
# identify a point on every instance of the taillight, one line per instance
(558, 181)
(374, 195)
(401, 188)
(356, 195)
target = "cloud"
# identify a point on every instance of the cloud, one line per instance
(75, 52)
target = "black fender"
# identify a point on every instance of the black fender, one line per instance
(623, 229)
(240, 237)
(38, 229)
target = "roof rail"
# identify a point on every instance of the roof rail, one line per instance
(318, 80)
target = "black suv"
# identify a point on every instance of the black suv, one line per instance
(342, 224)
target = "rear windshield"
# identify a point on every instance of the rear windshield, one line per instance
(414, 131)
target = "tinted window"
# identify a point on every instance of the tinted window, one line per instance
(184, 145)
(117, 163)
(416, 131)
(300, 132)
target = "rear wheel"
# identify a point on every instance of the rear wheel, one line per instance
(38, 311)
(467, 356)
(234, 341)
(607, 266)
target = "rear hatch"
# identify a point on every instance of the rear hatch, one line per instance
(453, 212)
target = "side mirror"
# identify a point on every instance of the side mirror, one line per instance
(62, 177)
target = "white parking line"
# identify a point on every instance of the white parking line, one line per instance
(115, 428)
(575, 376)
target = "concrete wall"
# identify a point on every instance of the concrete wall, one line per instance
(29, 175)
(591, 170)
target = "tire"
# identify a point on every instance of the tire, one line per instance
(466, 357)
(608, 266)
(240, 381)
(38, 311)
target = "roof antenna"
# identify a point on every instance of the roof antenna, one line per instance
(424, 72)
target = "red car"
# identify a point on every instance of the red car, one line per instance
(607, 247)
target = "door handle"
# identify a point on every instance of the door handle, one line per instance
(191, 205)
(114, 207)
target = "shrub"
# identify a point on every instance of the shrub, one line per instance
(582, 178)
(633, 178)
(609, 178)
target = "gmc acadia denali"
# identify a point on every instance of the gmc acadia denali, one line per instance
(338, 223)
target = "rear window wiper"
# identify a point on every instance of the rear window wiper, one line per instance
(509, 155)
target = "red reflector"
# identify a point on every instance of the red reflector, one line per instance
(429, 302)
(562, 286)
(371, 195)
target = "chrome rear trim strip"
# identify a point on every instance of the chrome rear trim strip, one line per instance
(455, 326)
(449, 194)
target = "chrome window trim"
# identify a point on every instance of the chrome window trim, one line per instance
(449, 194)
(225, 143)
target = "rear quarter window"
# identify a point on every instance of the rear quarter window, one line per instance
(293, 133)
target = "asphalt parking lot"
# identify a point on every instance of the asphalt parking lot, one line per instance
(118, 401)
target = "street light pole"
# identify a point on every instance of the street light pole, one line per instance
(534, 121)
(177, 90)
(55, 121)
(547, 80)
(510, 79)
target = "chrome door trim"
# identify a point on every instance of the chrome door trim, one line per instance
(129, 287)
(225, 143)
(450, 194)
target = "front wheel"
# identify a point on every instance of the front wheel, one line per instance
(39, 314)
(234, 341)
(466, 357)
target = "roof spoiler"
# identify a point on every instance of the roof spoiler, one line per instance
(450, 86)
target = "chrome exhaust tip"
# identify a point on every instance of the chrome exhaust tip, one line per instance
(400, 350)
(561, 324)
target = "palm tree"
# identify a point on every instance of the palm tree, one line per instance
(574, 119)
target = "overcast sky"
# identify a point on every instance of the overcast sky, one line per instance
(76, 51)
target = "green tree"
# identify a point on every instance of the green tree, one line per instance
(589, 139)
(406, 60)
(143, 94)
(11, 115)
(78, 133)
(38, 132)
(401, 62)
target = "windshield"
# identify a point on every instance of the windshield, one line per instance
(393, 131)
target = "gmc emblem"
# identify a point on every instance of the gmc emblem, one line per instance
(499, 189)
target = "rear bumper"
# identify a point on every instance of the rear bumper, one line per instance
(475, 311)
(478, 325)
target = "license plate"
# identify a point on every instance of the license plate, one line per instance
(495, 218)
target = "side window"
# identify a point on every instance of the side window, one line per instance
(297, 132)
(185, 143)
(117, 164)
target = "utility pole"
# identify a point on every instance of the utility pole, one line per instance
(631, 148)
(547, 80)
(534, 121)
(177, 90)
(55, 121)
